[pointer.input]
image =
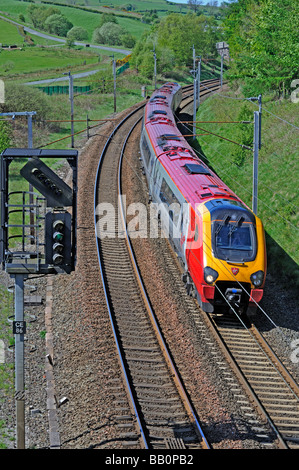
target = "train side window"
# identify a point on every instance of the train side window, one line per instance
(146, 151)
(167, 196)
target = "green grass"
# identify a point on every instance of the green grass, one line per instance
(78, 17)
(90, 21)
(9, 34)
(31, 59)
(278, 197)
(140, 5)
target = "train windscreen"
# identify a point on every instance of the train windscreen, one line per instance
(234, 236)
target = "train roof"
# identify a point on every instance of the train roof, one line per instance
(195, 180)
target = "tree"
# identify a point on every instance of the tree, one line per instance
(77, 33)
(39, 14)
(264, 46)
(174, 37)
(107, 18)
(109, 33)
(58, 24)
(143, 56)
(97, 37)
(194, 4)
(180, 32)
(23, 98)
(127, 40)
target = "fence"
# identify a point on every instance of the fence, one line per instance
(64, 89)
(122, 68)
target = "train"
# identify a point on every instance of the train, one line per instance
(219, 241)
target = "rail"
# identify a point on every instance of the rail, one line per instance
(149, 436)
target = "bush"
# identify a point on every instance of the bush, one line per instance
(77, 33)
(58, 24)
(127, 40)
(108, 18)
(97, 37)
(39, 14)
(109, 33)
(24, 98)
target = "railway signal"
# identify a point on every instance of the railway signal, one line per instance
(38, 251)
(58, 249)
(55, 190)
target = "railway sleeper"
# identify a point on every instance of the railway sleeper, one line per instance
(123, 417)
(171, 418)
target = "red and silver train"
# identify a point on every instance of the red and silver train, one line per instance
(219, 240)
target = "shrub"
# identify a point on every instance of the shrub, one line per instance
(109, 33)
(24, 98)
(58, 24)
(77, 33)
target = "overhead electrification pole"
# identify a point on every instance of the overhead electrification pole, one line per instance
(194, 104)
(155, 66)
(114, 83)
(221, 73)
(198, 78)
(256, 140)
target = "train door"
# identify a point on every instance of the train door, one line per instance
(184, 232)
(195, 249)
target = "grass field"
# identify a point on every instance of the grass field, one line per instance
(140, 5)
(32, 59)
(9, 34)
(278, 197)
(78, 17)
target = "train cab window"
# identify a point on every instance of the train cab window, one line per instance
(234, 241)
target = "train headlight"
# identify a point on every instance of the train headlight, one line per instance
(210, 275)
(257, 278)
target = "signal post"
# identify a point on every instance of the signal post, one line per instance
(45, 221)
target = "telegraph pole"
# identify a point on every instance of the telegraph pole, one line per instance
(114, 82)
(71, 95)
(71, 98)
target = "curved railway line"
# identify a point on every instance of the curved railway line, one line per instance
(271, 388)
(161, 414)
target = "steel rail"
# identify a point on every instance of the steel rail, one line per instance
(120, 354)
(191, 412)
(261, 404)
(180, 387)
(243, 380)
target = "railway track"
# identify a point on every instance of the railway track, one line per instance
(207, 87)
(271, 388)
(268, 384)
(161, 415)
